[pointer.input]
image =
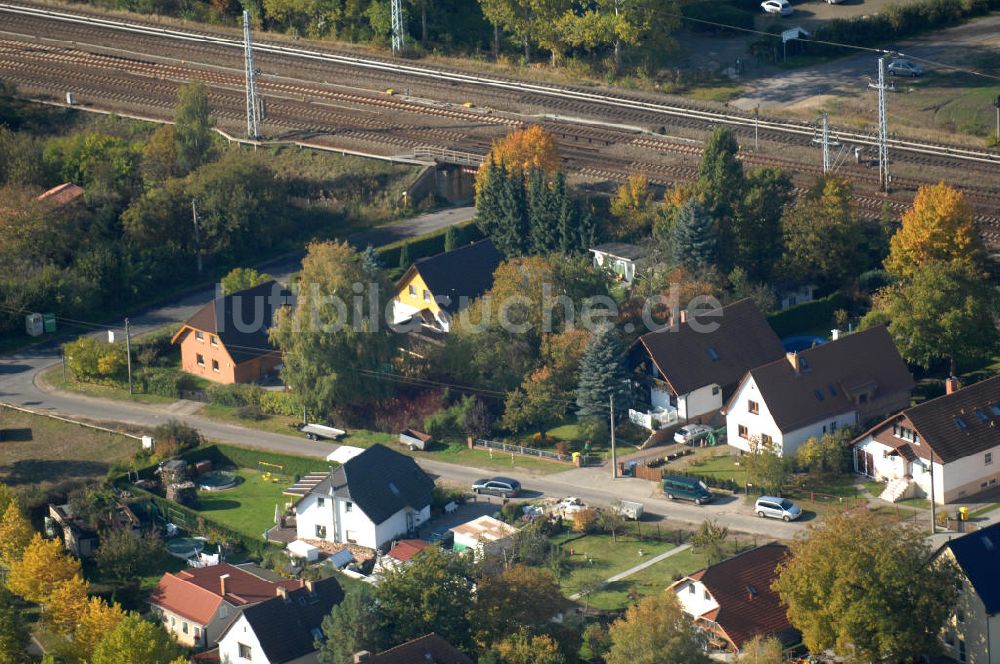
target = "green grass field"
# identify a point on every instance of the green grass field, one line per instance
(247, 507)
(598, 557)
(38, 451)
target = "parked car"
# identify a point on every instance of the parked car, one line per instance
(498, 486)
(777, 508)
(688, 488)
(567, 507)
(900, 67)
(691, 433)
(781, 7)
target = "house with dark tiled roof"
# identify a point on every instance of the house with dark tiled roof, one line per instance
(733, 602)
(376, 497)
(843, 383)
(948, 447)
(687, 371)
(429, 649)
(283, 629)
(434, 289)
(195, 604)
(974, 625)
(226, 341)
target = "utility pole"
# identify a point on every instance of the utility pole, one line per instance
(128, 355)
(397, 26)
(826, 144)
(756, 128)
(253, 116)
(197, 234)
(883, 127)
(614, 454)
(64, 365)
(997, 104)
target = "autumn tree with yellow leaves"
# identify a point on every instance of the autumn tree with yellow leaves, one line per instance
(42, 567)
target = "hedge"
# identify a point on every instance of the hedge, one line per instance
(897, 22)
(717, 13)
(711, 480)
(227, 455)
(425, 245)
(270, 402)
(808, 315)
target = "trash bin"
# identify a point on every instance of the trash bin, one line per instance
(576, 458)
(963, 513)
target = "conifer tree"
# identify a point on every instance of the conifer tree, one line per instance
(487, 197)
(601, 376)
(452, 238)
(404, 257)
(370, 260)
(696, 239)
(513, 236)
(587, 232)
(544, 224)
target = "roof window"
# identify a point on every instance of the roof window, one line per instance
(960, 423)
(982, 416)
(393, 488)
(995, 409)
(832, 389)
(712, 355)
(819, 394)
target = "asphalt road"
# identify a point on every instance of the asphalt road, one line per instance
(19, 385)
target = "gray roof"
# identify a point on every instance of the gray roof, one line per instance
(978, 554)
(466, 272)
(380, 482)
(619, 250)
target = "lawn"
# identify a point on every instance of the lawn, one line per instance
(38, 451)
(449, 451)
(54, 376)
(598, 557)
(247, 507)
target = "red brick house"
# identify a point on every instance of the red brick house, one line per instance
(226, 341)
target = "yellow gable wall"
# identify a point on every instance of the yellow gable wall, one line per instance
(417, 300)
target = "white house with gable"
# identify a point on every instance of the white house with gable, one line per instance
(374, 498)
(815, 392)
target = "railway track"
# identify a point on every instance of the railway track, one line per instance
(555, 96)
(590, 125)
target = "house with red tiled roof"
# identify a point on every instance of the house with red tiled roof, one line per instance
(946, 448)
(401, 553)
(733, 601)
(195, 605)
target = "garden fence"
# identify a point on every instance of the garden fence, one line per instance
(525, 451)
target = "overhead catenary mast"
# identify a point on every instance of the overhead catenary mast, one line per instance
(826, 144)
(397, 26)
(253, 114)
(883, 127)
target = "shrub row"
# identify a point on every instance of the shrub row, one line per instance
(425, 245)
(269, 402)
(897, 21)
(807, 315)
(166, 382)
(712, 481)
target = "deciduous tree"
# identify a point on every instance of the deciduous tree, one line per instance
(761, 650)
(431, 594)
(334, 342)
(766, 468)
(13, 630)
(15, 533)
(656, 631)
(867, 589)
(95, 620)
(241, 278)
(42, 567)
(824, 241)
(518, 599)
(826, 455)
(757, 222)
(941, 313)
(65, 605)
(524, 149)
(522, 647)
(538, 402)
(123, 556)
(939, 227)
(633, 209)
(136, 641)
(193, 126)
(711, 540)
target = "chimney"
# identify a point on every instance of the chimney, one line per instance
(684, 316)
(309, 586)
(951, 384)
(223, 584)
(281, 592)
(834, 334)
(362, 656)
(793, 359)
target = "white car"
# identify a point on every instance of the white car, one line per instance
(781, 7)
(567, 507)
(691, 433)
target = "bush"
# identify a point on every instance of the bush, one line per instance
(280, 403)
(235, 396)
(585, 521)
(511, 512)
(452, 421)
(250, 412)
(175, 437)
(425, 246)
(166, 382)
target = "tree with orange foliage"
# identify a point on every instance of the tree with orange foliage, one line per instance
(526, 148)
(65, 604)
(95, 620)
(939, 227)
